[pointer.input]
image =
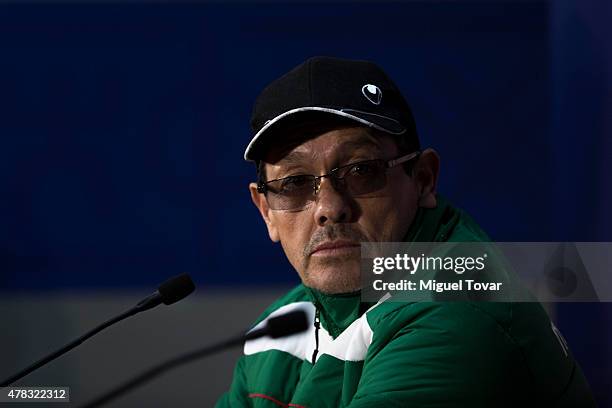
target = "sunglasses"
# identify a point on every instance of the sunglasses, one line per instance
(356, 179)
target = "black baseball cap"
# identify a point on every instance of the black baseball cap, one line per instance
(329, 89)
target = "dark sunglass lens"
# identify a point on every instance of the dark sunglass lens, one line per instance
(290, 193)
(366, 177)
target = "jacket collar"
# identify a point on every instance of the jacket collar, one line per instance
(338, 311)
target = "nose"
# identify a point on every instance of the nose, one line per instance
(331, 206)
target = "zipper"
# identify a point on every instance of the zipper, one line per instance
(317, 325)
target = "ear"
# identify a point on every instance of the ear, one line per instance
(262, 205)
(425, 176)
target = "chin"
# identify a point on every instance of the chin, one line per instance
(334, 280)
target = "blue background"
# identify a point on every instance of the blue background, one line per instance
(123, 126)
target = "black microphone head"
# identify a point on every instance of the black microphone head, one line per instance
(176, 288)
(287, 324)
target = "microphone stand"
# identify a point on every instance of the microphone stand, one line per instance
(68, 347)
(279, 326)
(161, 368)
(169, 292)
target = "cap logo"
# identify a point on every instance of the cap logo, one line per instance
(372, 93)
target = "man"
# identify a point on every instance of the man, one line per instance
(339, 163)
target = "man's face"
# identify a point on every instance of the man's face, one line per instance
(322, 240)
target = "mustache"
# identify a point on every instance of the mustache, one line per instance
(332, 233)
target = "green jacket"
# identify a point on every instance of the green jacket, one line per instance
(423, 354)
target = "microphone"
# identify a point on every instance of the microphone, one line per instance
(281, 326)
(169, 292)
(276, 327)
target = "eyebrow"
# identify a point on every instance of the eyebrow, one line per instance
(353, 145)
(296, 157)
